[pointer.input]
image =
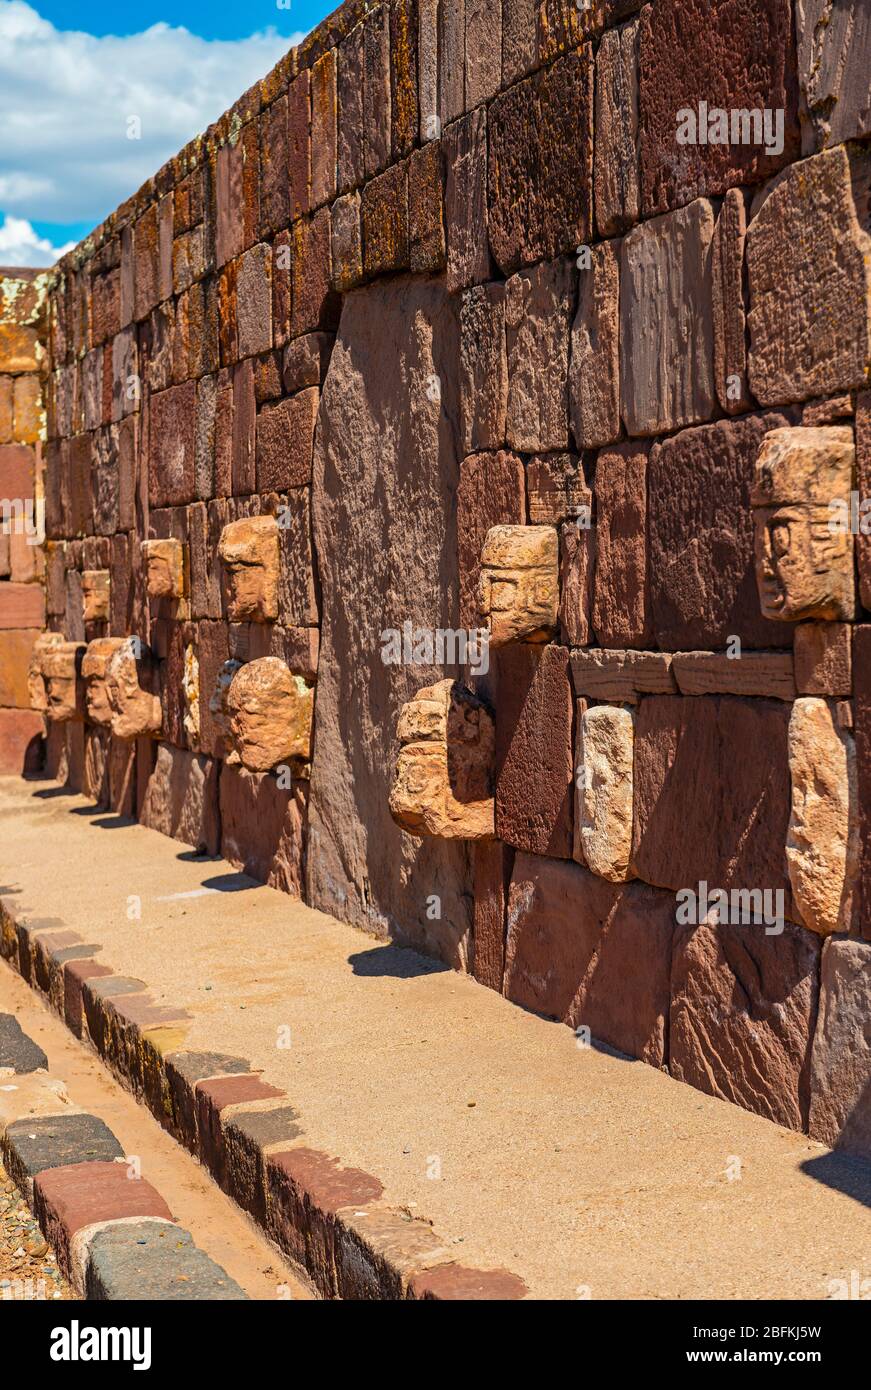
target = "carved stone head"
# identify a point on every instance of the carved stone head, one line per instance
(95, 665)
(249, 552)
(443, 784)
(95, 596)
(519, 586)
(804, 559)
(36, 682)
(165, 568)
(133, 685)
(271, 713)
(62, 671)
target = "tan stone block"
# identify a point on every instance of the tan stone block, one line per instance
(606, 744)
(271, 712)
(822, 848)
(519, 589)
(36, 682)
(132, 686)
(249, 552)
(16, 648)
(600, 674)
(804, 555)
(96, 596)
(768, 674)
(166, 568)
(823, 655)
(62, 671)
(95, 665)
(443, 783)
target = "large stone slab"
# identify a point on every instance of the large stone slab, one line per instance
(702, 568)
(743, 1011)
(721, 56)
(822, 850)
(539, 305)
(712, 792)
(534, 724)
(621, 607)
(491, 493)
(834, 70)
(809, 272)
(591, 954)
(181, 798)
(840, 1104)
(384, 507)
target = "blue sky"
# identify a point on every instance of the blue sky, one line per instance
(73, 74)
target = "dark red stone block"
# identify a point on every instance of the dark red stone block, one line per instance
(535, 743)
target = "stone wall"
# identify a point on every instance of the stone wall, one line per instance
(22, 566)
(505, 314)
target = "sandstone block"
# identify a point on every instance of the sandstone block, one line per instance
(743, 1010)
(604, 769)
(384, 216)
(834, 63)
(95, 665)
(577, 569)
(166, 568)
(491, 493)
(824, 659)
(403, 75)
(468, 251)
(172, 446)
(132, 685)
(841, 1058)
(62, 671)
(350, 128)
(314, 303)
(324, 130)
(254, 301)
(730, 319)
(181, 799)
(518, 39)
(305, 361)
(667, 347)
(263, 827)
(767, 674)
(809, 275)
(16, 657)
(483, 50)
(249, 552)
(539, 304)
(534, 724)
(452, 61)
(271, 713)
(285, 441)
(493, 865)
(443, 782)
(37, 690)
(519, 586)
(346, 243)
(616, 172)
(557, 490)
(483, 368)
(622, 676)
(299, 144)
(822, 849)
(376, 90)
(621, 609)
(594, 374)
(427, 248)
(863, 483)
(804, 563)
(21, 741)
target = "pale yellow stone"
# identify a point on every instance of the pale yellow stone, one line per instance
(249, 552)
(822, 848)
(62, 671)
(271, 712)
(191, 694)
(165, 568)
(36, 686)
(519, 585)
(605, 790)
(443, 783)
(95, 595)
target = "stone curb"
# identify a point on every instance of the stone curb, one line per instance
(112, 1233)
(328, 1218)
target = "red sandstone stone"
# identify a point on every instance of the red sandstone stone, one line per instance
(21, 733)
(384, 216)
(350, 136)
(468, 252)
(491, 493)
(621, 610)
(285, 440)
(171, 446)
(493, 865)
(535, 750)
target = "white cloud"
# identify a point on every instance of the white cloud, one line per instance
(20, 245)
(66, 99)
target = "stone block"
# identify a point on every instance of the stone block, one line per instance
(577, 569)
(483, 368)
(834, 62)
(249, 552)
(324, 132)
(616, 170)
(493, 865)
(17, 647)
(285, 441)
(840, 1114)
(539, 306)
(427, 248)
(768, 674)
(132, 686)
(622, 610)
(181, 799)
(519, 584)
(95, 665)
(443, 781)
(262, 827)
(603, 830)
(21, 742)
(822, 848)
(490, 493)
(61, 665)
(384, 217)
(299, 144)
(350, 127)
(271, 713)
(403, 41)
(166, 569)
(468, 250)
(172, 446)
(96, 604)
(535, 751)
(594, 373)
(621, 677)
(254, 301)
(376, 90)
(346, 243)
(824, 659)
(729, 305)
(557, 490)
(315, 305)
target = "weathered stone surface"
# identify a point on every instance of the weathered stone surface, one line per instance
(804, 549)
(594, 373)
(557, 490)
(155, 1261)
(383, 505)
(132, 683)
(728, 756)
(491, 493)
(483, 368)
(427, 246)
(767, 674)
(863, 484)
(305, 361)
(519, 585)
(712, 52)
(604, 770)
(346, 241)
(443, 782)
(95, 665)
(540, 173)
(61, 665)
(376, 90)
(299, 144)
(591, 954)
(743, 1010)
(315, 304)
(18, 654)
(493, 865)
(285, 441)
(165, 568)
(483, 50)
(621, 609)
(538, 310)
(862, 724)
(324, 133)
(616, 172)
(254, 301)
(822, 849)
(172, 446)
(840, 1102)
(702, 573)
(809, 274)
(181, 799)
(21, 741)
(19, 1052)
(468, 253)
(577, 569)
(534, 718)
(249, 552)
(271, 713)
(95, 596)
(21, 604)
(824, 659)
(518, 39)
(350, 128)
(452, 60)
(384, 217)
(834, 71)
(729, 307)
(263, 827)
(622, 676)
(428, 69)
(666, 323)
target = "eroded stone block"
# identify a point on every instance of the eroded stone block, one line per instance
(218, 700)
(840, 1104)
(621, 610)
(95, 665)
(443, 784)
(36, 678)
(594, 373)
(132, 685)
(249, 552)
(824, 659)
(604, 771)
(165, 568)
(62, 671)
(822, 848)
(96, 596)
(834, 69)
(270, 711)
(804, 563)
(519, 587)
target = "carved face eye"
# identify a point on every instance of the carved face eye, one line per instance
(780, 539)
